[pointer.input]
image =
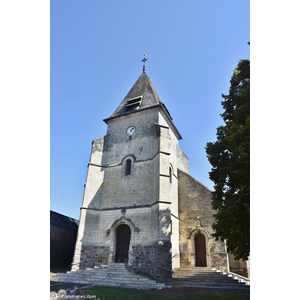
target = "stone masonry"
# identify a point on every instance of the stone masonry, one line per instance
(196, 216)
(138, 179)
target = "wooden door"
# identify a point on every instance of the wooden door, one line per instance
(200, 250)
(122, 246)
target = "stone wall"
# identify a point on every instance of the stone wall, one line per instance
(146, 199)
(196, 216)
(153, 260)
(99, 234)
(238, 266)
(107, 184)
(183, 161)
(92, 255)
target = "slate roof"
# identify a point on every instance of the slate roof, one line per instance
(63, 223)
(142, 87)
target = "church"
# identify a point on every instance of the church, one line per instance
(140, 205)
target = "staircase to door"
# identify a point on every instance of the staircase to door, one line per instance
(112, 274)
(203, 277)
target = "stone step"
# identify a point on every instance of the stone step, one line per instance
(187, 274)
(126, 285)
(112, 274)
(217, 280)
(111, 266)
(195, 271)
(100, 275)
(133, 286)
(105, 276)
(117, 275)
(98, 279)
(193, 274)
(213, 278)
(214, 285)
(206, 278)
(105, 269)
(107, 281)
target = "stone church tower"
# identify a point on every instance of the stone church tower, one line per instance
(140, 205)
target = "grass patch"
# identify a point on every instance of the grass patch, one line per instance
(111, 293)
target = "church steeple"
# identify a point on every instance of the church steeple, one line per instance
(141, 95)
(138, 176)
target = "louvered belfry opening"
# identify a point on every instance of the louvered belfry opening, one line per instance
(133, 104)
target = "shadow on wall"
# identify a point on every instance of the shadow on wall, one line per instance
(156, 260)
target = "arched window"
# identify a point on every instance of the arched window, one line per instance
(128, 167)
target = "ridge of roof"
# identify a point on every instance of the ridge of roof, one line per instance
(194, 179)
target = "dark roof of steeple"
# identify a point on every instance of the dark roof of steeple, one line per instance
(141, 96)
(142, 88)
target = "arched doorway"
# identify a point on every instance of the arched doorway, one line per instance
(200, 250)
(122, 243)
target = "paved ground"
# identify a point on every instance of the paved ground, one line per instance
(65, 286)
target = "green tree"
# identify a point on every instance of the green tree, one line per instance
(230, 160)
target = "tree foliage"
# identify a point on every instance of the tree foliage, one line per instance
(230, 160)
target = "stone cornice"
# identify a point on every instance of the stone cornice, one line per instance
(126, 207)
(137, 161)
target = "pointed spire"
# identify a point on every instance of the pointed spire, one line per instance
(144, 61)
(142, 89)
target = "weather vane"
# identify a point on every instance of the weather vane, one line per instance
(144, 61)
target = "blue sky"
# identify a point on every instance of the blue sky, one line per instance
(96, 48)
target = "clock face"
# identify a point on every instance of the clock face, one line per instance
(130, 130)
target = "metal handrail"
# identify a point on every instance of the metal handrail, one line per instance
(240, 277)
(169, 270)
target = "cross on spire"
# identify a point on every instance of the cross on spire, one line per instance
(144, 61)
